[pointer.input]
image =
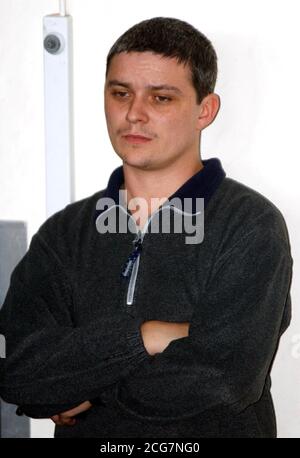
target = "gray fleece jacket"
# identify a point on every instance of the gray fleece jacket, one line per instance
(72, 314)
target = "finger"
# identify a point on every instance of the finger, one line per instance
(81, 408)
(68, 421)
(55, 418)
(61, 420)
(64, 421)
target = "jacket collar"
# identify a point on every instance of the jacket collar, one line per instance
(201, 185)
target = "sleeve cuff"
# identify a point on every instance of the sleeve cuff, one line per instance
(135, 341)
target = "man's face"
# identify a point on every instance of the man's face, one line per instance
(134, 104)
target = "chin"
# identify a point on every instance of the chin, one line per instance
(135, 159)
(142, 164)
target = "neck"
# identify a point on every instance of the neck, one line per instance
(156, 186)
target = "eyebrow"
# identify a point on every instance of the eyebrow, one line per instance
(166, 87)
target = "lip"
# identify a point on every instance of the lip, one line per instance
(137, 139)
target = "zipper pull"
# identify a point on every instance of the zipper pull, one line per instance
(137, 242)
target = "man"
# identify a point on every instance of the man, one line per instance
(139, 333)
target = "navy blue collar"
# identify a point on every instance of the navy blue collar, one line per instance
(203, 184)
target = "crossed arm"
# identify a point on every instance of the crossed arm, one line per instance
(156, 336)
(244, 311)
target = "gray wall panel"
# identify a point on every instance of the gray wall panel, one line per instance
(13, 246)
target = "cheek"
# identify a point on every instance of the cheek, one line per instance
(179, 127)
(169, 121)
(112, 115)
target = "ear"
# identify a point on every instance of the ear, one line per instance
(208, 110)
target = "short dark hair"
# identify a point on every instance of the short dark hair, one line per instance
(172, 37)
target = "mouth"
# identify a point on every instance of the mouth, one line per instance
(136, 139)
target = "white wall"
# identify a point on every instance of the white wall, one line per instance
(256, 133)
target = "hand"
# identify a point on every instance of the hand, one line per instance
(65, 418)
(158, 334)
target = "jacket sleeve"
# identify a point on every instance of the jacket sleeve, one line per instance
(51, 363)
(222, 365)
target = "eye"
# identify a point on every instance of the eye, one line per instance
(119, 94)
(163, 98)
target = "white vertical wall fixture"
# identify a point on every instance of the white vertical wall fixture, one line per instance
(62, 7)
(58, 90)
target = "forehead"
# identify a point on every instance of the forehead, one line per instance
(147, 67)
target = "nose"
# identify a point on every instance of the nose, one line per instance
(137, 111)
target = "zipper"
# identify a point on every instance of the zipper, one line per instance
(132, 281)
(126, 272)
(132, 264)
